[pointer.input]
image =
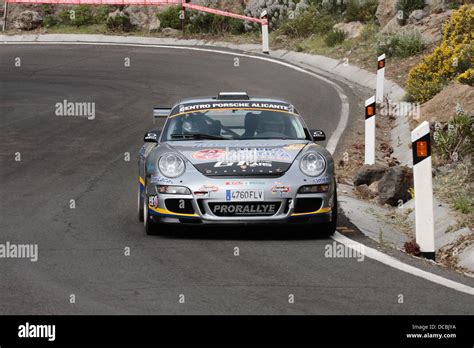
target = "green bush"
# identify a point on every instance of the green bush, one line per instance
(329, 6)
(334, 37)
(363, 11)
(405, 7)
(83, 15)
(170, 18)
(102, 13)
(307, 23)
(49, 21)
(121, 22)
(454, 141)
(208, 23)
(402, 45)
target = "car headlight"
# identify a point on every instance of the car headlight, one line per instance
(171, 165)
(312, 164)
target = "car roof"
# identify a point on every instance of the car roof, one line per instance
(214, 99)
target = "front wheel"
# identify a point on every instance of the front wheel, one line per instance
(140, 204)
(330, 227)
(147, 222)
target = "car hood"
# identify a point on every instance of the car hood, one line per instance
(240, 157)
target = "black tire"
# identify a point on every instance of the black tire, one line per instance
(149, 225)
(140, 205)
(330, 227)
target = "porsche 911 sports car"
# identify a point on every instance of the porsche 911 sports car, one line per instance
(233, 159)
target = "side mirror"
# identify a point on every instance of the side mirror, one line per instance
(318, 134)
(152, 136)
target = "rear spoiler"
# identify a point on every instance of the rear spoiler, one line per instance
(161, 112)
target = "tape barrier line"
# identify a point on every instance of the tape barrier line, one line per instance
(99, 2)
(223, 13)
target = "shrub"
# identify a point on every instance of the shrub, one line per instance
(120, 22)
(200, 22)
(102, 13)
(49, 21)
(335, 37)
(83, 15)
(402, 45)
(454, 141)
(170, 18)
(307, 23)
(463, 204)
(361, 11)
(405, 7)
(451, 58)
(467, 77)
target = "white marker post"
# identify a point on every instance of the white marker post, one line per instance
(380, 78)
(421, 148)
(265, 40)
(370, 131)
(5, 11)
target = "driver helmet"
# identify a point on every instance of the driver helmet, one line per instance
(271, 122)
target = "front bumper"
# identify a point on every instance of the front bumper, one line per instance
(278, 206)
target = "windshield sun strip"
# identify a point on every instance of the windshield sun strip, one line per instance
(227, 109)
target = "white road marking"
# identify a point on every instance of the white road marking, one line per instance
(344, 114)
(331, 147)
(393, 262)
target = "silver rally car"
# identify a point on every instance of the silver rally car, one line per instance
(233, 159)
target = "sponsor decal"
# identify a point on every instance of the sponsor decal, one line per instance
(158, 179)
(293, 147)
(235, 105)
(322, 180)
(243, 183)
(210, 154)
(208, 188)
(153, 201)
(280, 188)
(244, 209)
(242, 164)
(245, 154)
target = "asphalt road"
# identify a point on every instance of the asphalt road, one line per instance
(81, 250)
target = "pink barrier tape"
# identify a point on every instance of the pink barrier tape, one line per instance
(99, 2)
(224, 13)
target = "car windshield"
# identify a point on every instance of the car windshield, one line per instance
(237, 124)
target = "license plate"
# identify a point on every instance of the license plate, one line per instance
(244, 195)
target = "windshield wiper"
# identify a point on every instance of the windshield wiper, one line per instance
(198, 136)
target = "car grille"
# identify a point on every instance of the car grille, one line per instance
(244, 209)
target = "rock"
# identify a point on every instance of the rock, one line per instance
(395, 184)
(416, 16)
(28, 20)
(154, 24)
(374, 188)
(367, 174)
(364, 192)
(352, 29)
(392, 27)
(143, 17)
(170, 32)
(385, 11)
(430, 27)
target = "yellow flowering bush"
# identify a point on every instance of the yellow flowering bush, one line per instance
(467, 77)
(453, 57)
